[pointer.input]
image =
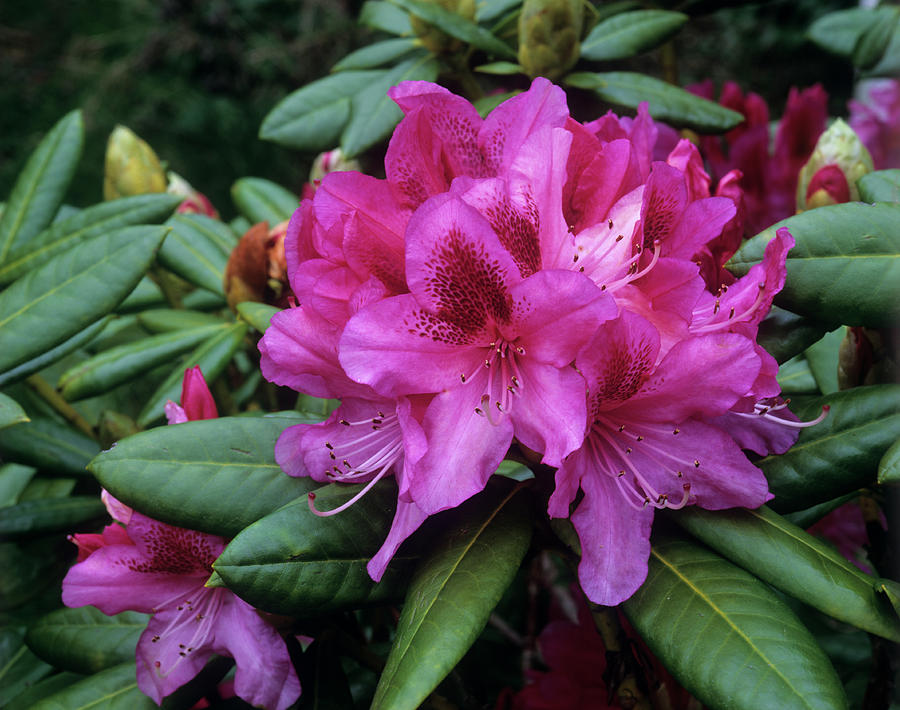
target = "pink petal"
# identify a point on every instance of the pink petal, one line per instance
(289, 450)
(686, 158)
(118, 511)
(407, 520)
(174, 413)
(612, 173)
(196, 399)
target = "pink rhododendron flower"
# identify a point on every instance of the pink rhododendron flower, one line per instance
(875, 116)
(141, 564)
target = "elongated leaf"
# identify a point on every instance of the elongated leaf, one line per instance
(112, 367)
(202, 300)
(726, 637)
(211, 357)
(841, 453)
(52, 303)
(197, 250)
(795, 377)
(13, 480)
(631, 33)
(217, 475)
(262, 200)
(373, 112)
(42, 689)
(451, 595)
(40, 488)
(19, 667)
(385, 17)
(500, 68)
(873, 42)
(457, 26)
(40, 187)
(822, 357)
(167, 320)
(838, 32)
(880, 186)
(294, 562)
(51, 356)
(784, 334)
(112, 689)
(845, 267)
(376, 54)
(889, 466)
(85, 640)
(49, 515)
(89, 223)
(145, 295)
(666, 102)
(10, 412)
(792, 560)
(313, 117)
(27, 571)
(47, 445)
(256, 314)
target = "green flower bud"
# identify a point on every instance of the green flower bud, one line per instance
(549, 37)
(435, 40)
(132, 167)
(829, 176)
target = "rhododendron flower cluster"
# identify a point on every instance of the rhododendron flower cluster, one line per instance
(528, 278)
(140, 564)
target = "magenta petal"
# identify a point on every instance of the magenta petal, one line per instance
(612, 174)
(757, 433)
(665, 200)
(289, 450)
(407, 520)
(686, 158)
(196, 399)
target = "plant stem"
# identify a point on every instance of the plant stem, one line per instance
(55, 400)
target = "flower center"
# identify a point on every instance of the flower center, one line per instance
(503, 380)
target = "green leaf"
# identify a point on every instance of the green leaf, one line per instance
(50, 515)
(261, 200)
(792, 560)
(10, 412)
(784, 334)
(822, 357)
(487, 10)
(115, 366)
(839, 454)
(631, 33)
(666, 102)
(257, 315)
(838, 32)
(47, 445)
(373, 113)
(27, 571)
(42, 689)
(146, 294)
(295, 562)
(486, 104)
(880, 186)
(726, 637)
(889, 466)
(795, 377)
(19, 667)
(85, 640)
(889, 65)
(40, 488)
(451, 595)
(313, 117)
(112, 689)
(54, 354)
(211, 357)
(167, 320)
(845, 267)
(217, 475)
(376, 54)
(202, 300)
(40, 187)
(500, 68)
(873, 42)
(197, 250)
(14, 479)
(457, 26)
(385, 17)
(86, 224)
(52, 303)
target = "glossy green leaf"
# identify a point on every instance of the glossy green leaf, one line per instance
(373, 113)
(486, 104)
(839, 454)
(13, 480)
(217, 475)
(500, 68)
(145, 295)
(795, 377)
(19, 667)
(385, 17)
(41, 488)
(50, 515)
(295, 562)
(115, 366)
(845, 266)
(880, 186)
(457, 26)
(85, 640)
(726, 637)
(52, 303)
(167, 320)
(10, 412)
(211, 357)
(202, 300)
(889, 466)
(48, 445)
(51, 356)
(838, 32)
(784, 334)
(42, 689)
(313, 117)
(40, 187)
(809, 516)
(666, 102)
(261, 200)
(873, 42)
(631, 33)
(111, 689)
(376, 54)
(822, 357)
(451, 596)
(792, 560)
(257, 314)
(889, 65)
(197, 250)
(28, 569)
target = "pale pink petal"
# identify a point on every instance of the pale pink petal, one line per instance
(289, 450)
(118, 511)
(688, 160)
(174, 413)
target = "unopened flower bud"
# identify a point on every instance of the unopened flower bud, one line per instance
(549, 37)
(331, 161)
(132, 167)
(257, 267)
(434, 39)
(195, 202)
(829, 176)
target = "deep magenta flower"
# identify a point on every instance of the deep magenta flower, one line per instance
(875, 116)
